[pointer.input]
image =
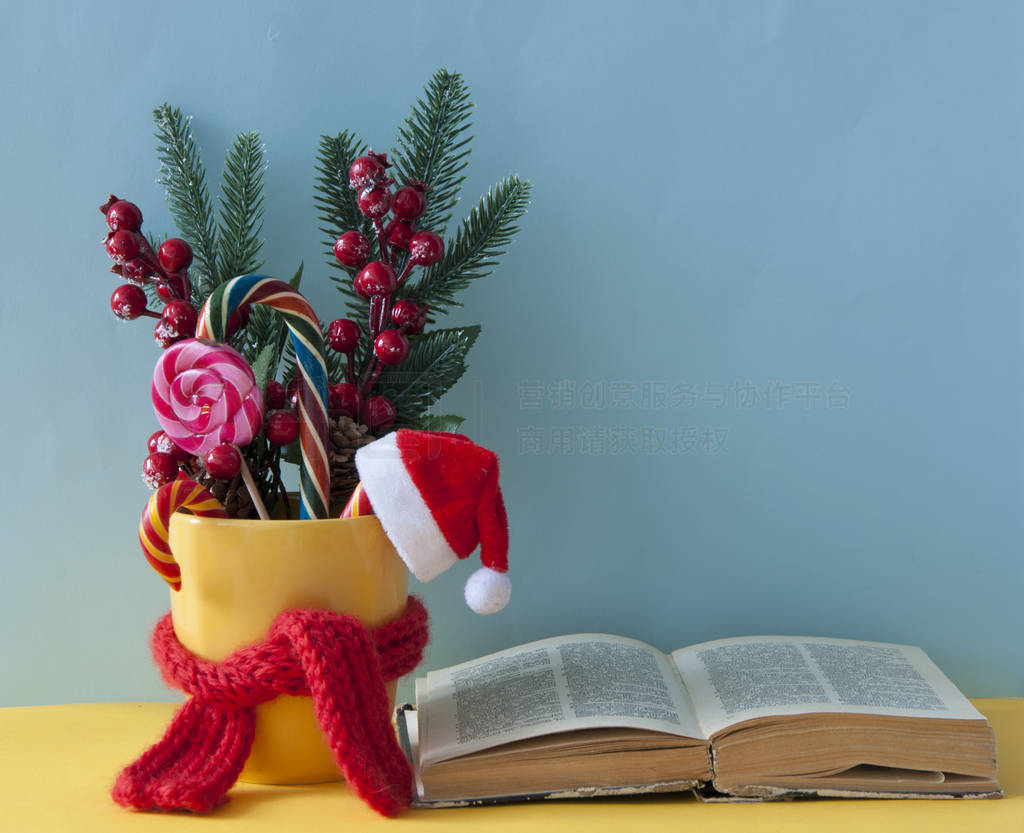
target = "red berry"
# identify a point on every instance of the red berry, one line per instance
(152, 441)
(391, 347)
(135, 271)
(425, 248)
(368, 170)
(380, 414)
(159, 468)
(177, 286)
(275, 397)
(180, 318)
(420, 323)
(399, 233)
(376, 278)
(409, 202)
(122, 245)
(124, 215)
(223, 462)
(292, 392)
(128, 302)
(404, 312)
(175, 254)
(345, 398)
(237, 320)
(343, 335)
(374, 202)
(282, 427)
(352, 249)
(164, 444)
(163, 335)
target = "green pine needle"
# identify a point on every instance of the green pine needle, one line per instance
(484, 237)
(183, 177)
(241, 207)
(436, 361)
(433, 146)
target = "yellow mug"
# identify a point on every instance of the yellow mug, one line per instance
(237, 575)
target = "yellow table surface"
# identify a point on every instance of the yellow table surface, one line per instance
(57, 764)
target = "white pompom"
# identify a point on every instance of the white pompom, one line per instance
(488, 591)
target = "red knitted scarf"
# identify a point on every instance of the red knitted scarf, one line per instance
(329, 656)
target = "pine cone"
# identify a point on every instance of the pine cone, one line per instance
(347, 437)
(232, 494)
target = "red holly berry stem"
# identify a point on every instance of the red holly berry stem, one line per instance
(386, 309)
(405, 272)
(375, 368)
(376, 302)
(382, 316)
(350, 372)
(370, 375)
(147, 254)
(382, 242)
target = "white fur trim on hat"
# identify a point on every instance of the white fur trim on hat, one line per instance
(488, 591)
(400, 507)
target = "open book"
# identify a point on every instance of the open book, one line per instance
(751, 717)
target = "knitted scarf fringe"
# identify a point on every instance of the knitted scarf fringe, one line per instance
(328, 656)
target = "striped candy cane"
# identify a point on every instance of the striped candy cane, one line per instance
(358, 505)
(155, 526)
(308, 341)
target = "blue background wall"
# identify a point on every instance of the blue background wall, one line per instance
(780, 239)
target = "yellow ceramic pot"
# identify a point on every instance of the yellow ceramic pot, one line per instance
(236, 576)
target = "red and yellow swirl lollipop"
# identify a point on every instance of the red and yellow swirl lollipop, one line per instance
(154, 528)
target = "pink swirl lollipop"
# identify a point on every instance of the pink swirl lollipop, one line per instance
(205, 394)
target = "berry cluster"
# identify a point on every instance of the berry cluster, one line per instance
(167, 269)
(136, 262)
(378, 281)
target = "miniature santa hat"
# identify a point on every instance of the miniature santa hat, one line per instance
(437, 497)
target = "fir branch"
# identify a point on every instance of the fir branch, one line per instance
(337, 210)
(261, 330)
(241, 207)
(485, 235)
(436, 361)
(433, 146)
(183, 178)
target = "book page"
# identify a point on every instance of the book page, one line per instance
(555, 685)
(732, 680)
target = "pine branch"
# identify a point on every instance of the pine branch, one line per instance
(485, 236)
(241, 207)
(183, 178)
(337, 211)
(436, 361)
(433, 146)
